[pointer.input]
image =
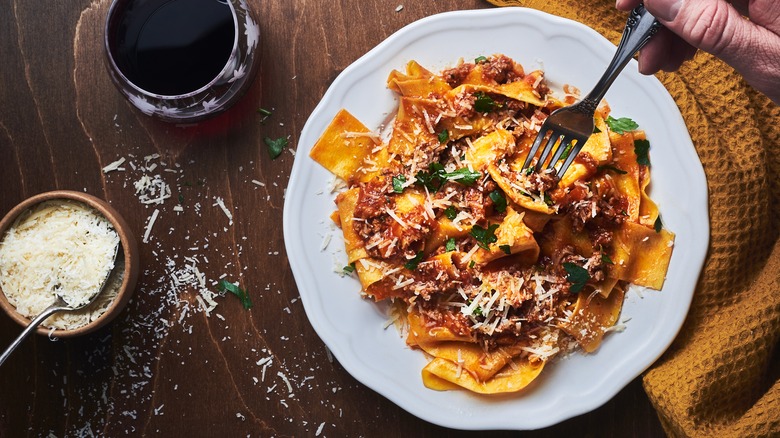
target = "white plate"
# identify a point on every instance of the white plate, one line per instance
(352, 328)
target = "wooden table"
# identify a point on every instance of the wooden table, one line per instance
(163, 368)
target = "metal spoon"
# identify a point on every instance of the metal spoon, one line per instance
(59, 306)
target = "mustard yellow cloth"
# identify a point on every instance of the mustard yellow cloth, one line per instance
(721, 376)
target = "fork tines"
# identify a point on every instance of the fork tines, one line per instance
(565, 143)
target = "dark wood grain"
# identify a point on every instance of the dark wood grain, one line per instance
(160, 369)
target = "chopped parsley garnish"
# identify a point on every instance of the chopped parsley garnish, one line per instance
(642, 151)
(412, 264)
(577, 276)
(444, 136)
(480, 59)
(658, 226)
(181, 198)
(471, 264)
(451, 213)
(605, 258)
(275, 147)
(621, 125)
(435, 177)
(265, 113)
(477, 311)
(450, 245)
(242, 295)
(566, 151)
(483, 103)
(484, 236)
(611, 168)
(398, 183)
(349, 269)
(499, 202)
(463, 176)
(506, 248)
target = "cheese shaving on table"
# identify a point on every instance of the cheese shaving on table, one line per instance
(221, 204)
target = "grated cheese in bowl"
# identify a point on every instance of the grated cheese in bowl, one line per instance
(60, 247)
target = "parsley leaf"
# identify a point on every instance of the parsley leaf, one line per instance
(483, 103)
(499, 202)
(265, 113)
(642, 151)
(506, 248)
(398, 183)
(451, 213)
(484, 236)
(463, 176)
(480, 59)
(450, 245)
(275, 147)
(605, 258)
(609, 167)
(242, 295)
(658, 226)
(435, 177)
(577, 276)
(430, 180)
(621, 125)
(566, 151)
(477, 311)
(444, 136)
(412, 264)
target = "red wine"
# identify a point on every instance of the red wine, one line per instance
(172, 47)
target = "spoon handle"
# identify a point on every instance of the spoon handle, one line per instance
(30, 328)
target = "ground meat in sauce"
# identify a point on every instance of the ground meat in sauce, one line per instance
(435, 317)
(383, 236)
(502, 70)
(455, 76)
(542, 181)
(373, 200)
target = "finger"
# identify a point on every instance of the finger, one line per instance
(713, 26)
(627, 5)
(716, 27)
(665, 51)
(764, 13)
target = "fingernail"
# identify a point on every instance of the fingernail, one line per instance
(665, 10)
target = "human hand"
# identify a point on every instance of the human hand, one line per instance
(751, 46)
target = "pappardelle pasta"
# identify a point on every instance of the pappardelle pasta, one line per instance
(493, 271)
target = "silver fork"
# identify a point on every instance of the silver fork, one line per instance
(571, 126)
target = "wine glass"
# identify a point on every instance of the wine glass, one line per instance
(181, 60)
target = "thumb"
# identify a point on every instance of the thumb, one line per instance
(711, 25)
(717, 27)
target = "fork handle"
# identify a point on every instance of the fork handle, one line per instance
(29, 329)
(641, 25)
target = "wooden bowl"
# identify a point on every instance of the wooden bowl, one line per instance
(128, 248)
